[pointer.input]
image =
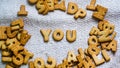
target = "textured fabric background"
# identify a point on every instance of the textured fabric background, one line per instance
(60, 20)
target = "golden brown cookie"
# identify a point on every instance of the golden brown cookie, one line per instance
(27, 55)
(71, 35)
(40, 6)
(22, 11)
(81, 13)
(58, 35)
(105, 55)
(93, 40)
(10, 33)
(32, 1)
(92, 5)
(24, 37)
(31, 64)
(71, 58)
(51, 63)
(18, 60)
(60, 6)
(100, 12)
(45, 34)
(41, 61)
(72, 8)
(7, 59)
(3, 35)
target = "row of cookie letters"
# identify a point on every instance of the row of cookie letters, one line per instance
(58, 35)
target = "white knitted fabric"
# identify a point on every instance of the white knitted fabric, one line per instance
(60, 20)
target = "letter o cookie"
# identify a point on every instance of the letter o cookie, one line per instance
(58, 35)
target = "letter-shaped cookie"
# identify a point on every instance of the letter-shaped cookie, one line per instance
(80, 60)
(65, 63)
(87, 63)
(45, 34)
(93, 50)
(112, 46)
(101, 24)
(11, 42)
(72, 8)
(3, 45)
(81, 13)
(10, 33)
(81, 53)
(93, 40)
(16, 48)
(3, 35)
(40, 6)
(51, 63)
(17, 24)
(110, 27)
(6, 53)
(71, 58)
(39, 63)
(46, 8)
(60, 6)
(92, 5)
(6, 59)
(24, 38)
(50, 4)
(18, 60)
(22, 11)
(105, 55)
(97, 61)
(104, 36)
(104, 45)
(100, 13)
(71, 35)
(58, 35)
(31, 64)
(94, 31)
(27, 55)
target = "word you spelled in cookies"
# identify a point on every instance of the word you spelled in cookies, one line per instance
(58, 35)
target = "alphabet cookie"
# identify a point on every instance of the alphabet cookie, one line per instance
(31, 64)
(81, 13)
(100, 12)
(92, 5)
(58, 35)
(24, 37)
(51, 63)
(60, 6)
(10, 33)
(6, 59)
(17, 24)
(3, 35)
(18, 59)
(40, 6)
(72, 8)
(41, 61)
(2, 45)
(71, 35)
(71, 58)
(22, 11)
(27, 55)
(45, 34)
